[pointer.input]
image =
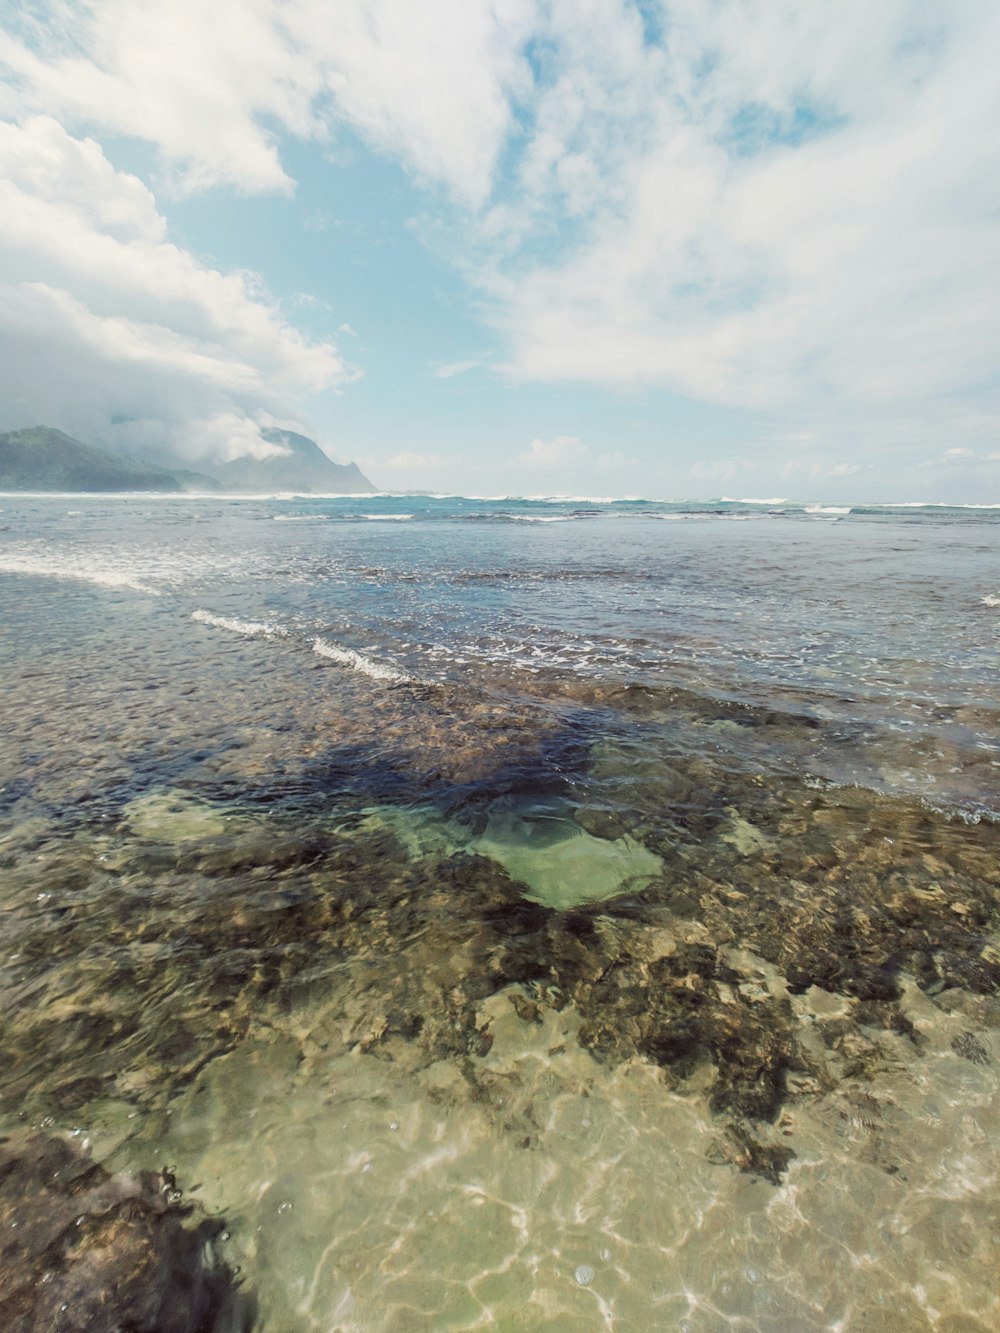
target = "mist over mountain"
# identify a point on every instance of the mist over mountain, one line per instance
(40, 458)
(302, 467)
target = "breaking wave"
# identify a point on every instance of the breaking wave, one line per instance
(249, 628)
(356, 661)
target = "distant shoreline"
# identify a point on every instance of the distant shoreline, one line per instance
(817, 506)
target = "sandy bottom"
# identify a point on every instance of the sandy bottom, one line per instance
(363, 1195)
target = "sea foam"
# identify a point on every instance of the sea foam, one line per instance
(77, 569)
(249, 628)
(348, 657)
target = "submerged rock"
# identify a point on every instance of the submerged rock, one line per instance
(557, 862)
(561, 864)
(83, 1249)
(739, 1146)
(174, 817)
(754, 942)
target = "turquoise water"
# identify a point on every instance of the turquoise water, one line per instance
(517, 914)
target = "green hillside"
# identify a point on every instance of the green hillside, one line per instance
(42, 459)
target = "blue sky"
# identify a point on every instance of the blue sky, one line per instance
(672, 248)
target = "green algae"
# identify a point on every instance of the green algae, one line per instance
(556, 862)
(742, 836)
(419, 830)
(563, 866)
(173, 816)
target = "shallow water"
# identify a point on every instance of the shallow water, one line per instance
(588, 923)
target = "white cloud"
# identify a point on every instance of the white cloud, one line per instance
(190, 78)
(843, 251)
(228, 436)
(558, 452)
(208, 84)
(960, 457)
(138, 327)
(449, 369)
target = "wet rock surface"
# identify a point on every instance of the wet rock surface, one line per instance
(85, 1250)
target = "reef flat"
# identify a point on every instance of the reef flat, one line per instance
(539, 1000)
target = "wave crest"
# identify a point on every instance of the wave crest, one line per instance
(348, 657)
(250, 628)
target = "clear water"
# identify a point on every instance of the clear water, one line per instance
(518, 914)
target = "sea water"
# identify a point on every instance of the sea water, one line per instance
(518, 914)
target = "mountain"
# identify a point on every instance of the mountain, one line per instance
(197, 482)
(305, 467)
(42, 459)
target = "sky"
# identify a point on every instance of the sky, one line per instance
(668, 248)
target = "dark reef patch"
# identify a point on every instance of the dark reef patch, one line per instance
(144, 959)
(138, 951)
(82, 1249)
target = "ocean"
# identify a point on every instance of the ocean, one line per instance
(550, 914)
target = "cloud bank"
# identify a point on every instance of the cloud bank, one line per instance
(104, 321)
(804, 210)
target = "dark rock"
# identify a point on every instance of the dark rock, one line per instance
(81, 1249)
(969, 1047)
(739, 1147)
